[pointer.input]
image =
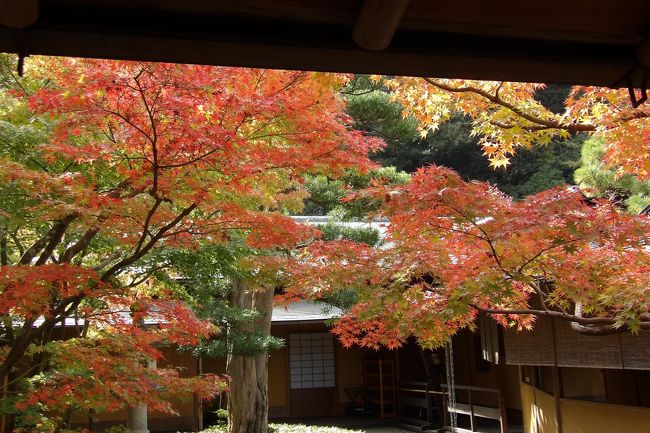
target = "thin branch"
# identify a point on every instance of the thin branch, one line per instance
(136, 255)
(497, 99)
(14, 237)
(107, 261)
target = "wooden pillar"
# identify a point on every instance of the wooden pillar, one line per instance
(198, 402)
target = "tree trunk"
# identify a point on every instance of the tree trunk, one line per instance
(8, 420)
(248, 403)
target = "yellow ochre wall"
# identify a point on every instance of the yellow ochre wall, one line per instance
(580, 416)
(348, 372)
(278, 364)
(538, 410)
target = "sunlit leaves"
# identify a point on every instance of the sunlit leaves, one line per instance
(457, 247)
(115, 166)
(506, 117)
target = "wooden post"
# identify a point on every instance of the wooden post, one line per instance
(471, 410)
(503, 419)
(5, 384)
(381, 389)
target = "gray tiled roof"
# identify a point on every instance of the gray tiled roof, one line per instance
(304, 311)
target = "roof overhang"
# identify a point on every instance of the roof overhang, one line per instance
(304, 312)
(579, 41)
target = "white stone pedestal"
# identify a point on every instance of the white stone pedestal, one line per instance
(137, 420)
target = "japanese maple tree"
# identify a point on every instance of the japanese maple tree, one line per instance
(134, 160)
(455, 248)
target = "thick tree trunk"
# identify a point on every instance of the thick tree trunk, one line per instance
(248, 404)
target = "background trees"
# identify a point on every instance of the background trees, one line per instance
(110, 168)
(597, 179)
(458, 247)
(453, 144)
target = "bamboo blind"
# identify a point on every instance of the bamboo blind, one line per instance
(553, 342)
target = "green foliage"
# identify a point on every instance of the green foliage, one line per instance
(596, 179)
(453, 144)
(530, 171)
(334, 231)
(238, 334)
(206, 283)
(373, 111)
(326, 194)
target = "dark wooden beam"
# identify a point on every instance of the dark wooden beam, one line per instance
(82, 30)
(377, 23)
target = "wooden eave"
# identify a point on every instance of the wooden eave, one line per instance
(593, 42)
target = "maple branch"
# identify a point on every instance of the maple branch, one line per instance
(542, 251)
(14, 237)
(147, 222)
(22, 152)
(193, 160)
(125, 119)
(56, 231)
(496, 93)
(57, 235)
(210, 152)
(138, 253)
(101, 265)
(154, 138)
(590, 330)
(29, 333)
(4, 256)
(531, 128)
(291, 83)
(486, 238)
(581, 324)
(145, 275)
(496, 99)
(284, 134)
(79, 246)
